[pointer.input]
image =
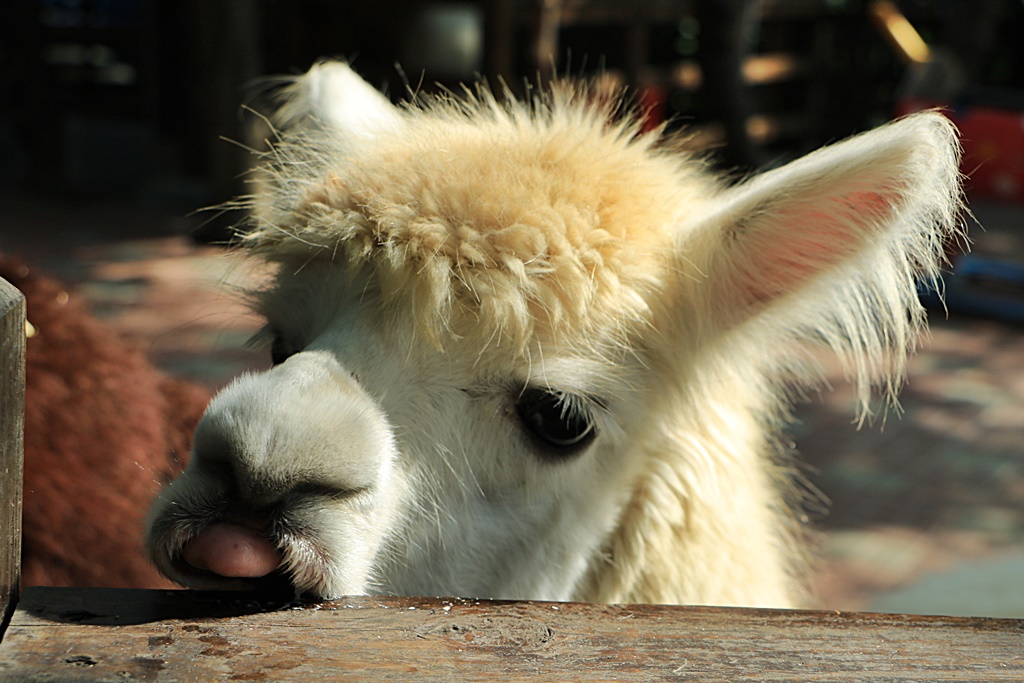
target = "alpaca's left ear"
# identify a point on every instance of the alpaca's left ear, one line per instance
(334, 99)
(878, 206)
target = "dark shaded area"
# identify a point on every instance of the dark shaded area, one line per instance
(114, 607)
(130, 99)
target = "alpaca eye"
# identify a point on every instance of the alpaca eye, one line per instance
(557, 421)
(280, 350)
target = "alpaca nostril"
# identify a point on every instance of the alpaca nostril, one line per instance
(232, 550)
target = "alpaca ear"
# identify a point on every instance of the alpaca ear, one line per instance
(868, 213)
(331, 97)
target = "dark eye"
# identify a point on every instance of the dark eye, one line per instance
(558, 421)
(280, 349)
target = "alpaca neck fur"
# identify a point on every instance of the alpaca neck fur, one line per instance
(709, 515)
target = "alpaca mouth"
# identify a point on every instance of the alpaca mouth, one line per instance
(274, 560)
(229, 556)
(213, 541)
(232, 550)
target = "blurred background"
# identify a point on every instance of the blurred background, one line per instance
(120, 119)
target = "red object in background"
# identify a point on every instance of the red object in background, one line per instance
(653, 103)
(993, 142)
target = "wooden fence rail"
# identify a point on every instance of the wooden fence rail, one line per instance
(97, 634)
(116, 635)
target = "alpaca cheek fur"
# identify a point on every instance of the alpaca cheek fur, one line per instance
(533, 541)
(488, 515)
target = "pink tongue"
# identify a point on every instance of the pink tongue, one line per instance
(232, 550)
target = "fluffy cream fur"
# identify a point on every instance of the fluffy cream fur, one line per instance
(532, 218)
(453, 252)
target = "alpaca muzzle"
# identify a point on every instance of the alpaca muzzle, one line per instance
(284, 486)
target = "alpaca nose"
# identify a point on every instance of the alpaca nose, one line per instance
(305, 427)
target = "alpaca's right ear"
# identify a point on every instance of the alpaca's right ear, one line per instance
(829, 248)
(864, 216)
(334, 99)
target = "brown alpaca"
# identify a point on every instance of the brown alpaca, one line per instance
(104, 430)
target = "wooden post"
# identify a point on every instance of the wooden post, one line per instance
(12, 424)
(545, 45)
(499, 43)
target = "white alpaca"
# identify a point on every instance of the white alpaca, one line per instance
(524, 352)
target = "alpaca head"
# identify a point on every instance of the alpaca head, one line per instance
(522, 351)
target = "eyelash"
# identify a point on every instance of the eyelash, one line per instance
(561, 424)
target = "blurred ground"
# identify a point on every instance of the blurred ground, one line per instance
(927, 510)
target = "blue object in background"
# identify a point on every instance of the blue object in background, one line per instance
(982, 287)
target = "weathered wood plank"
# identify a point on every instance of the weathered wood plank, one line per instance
(115, 635)
(12, 424)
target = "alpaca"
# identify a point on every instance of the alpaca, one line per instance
(523, 351)
(103, 431)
